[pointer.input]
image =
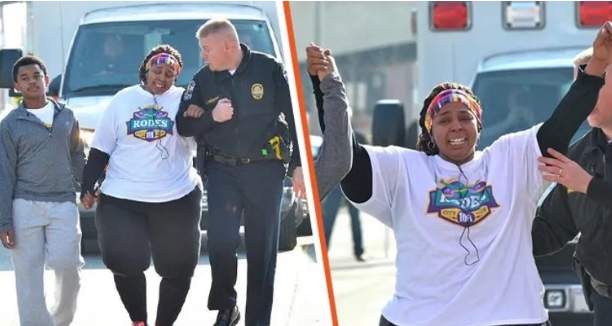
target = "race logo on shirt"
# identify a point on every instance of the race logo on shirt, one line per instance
(460, 204)
(150, 123)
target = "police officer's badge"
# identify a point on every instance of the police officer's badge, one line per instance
(257, 91)
(189, 91)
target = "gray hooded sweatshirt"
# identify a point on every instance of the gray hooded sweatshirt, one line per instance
(39, 163)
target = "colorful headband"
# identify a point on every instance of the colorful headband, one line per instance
(451, 96)
(164, 58)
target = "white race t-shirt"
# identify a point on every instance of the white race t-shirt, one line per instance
(149, 160)
(45, 114)
(418, 197)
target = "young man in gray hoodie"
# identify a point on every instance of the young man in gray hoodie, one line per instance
(41, 163)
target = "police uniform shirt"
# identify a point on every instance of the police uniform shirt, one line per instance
(149, 161)
(259, 92)
(464, 242)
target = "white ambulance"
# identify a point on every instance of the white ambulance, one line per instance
(516, 55)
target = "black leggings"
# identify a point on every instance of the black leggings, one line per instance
(385, 322)
(129, 232)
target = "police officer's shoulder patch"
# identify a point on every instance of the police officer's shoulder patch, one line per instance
(189, 91)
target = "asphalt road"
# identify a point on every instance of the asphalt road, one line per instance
(361, 289)
(300, 292)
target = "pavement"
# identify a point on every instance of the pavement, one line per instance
(300, 292)
(361, 289)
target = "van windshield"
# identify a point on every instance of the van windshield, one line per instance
(106, 57)
(515, 100)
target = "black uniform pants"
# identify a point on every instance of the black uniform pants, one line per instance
(599, 303)
(602, 309)
(129, 232)
(255, 189)
(384, 322)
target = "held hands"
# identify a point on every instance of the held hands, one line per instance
(602, 51)
(88, 199)
(564, 171)
(8, 239)
(319, 61)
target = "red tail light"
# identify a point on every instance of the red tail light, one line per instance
(449, 15)
(593, 13)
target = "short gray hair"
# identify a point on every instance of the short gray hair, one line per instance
(214, 26)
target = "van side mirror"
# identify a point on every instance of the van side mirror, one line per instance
(8, 57)
(54, 86)
(388, 124)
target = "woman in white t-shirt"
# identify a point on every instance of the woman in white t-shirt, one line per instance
(462, 218)
(150, 199)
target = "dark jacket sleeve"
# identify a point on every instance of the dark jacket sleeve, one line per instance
(573, 109)
(600, 191)
(554, 225)
(96, 162)
(316, 89)
(192, 127)
(282, 100)
(357, 185)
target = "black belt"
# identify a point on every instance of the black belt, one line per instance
(233, 161)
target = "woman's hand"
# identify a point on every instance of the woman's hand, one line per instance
(314, 59)
(319, 62)
(564, 171)
(602, 51)
(329, 68)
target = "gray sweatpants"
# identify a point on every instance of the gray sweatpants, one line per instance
(52, 231)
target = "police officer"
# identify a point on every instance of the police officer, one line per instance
(581, 203)
(239, 109)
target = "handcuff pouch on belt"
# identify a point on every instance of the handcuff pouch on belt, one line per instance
(279, 146)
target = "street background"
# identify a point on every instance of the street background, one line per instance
(299, 287)
(361, 289)
(376, 57)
